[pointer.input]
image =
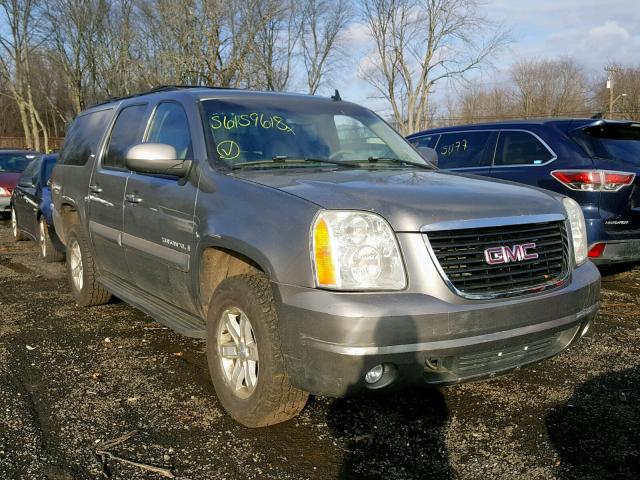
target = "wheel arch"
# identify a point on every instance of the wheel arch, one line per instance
(69, 216)
(218, 261)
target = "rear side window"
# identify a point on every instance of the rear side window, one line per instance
(126, 132)
(426, 141)
(170, 126)
(520, 148)
(462, 149)
(28, 176)
(83, 137)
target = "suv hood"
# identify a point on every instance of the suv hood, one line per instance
(409, 199)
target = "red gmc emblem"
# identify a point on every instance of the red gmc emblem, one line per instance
(517, 253)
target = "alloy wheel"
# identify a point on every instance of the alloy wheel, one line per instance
(43, 238)
(238, 352)
(75, 264)
(14, 223)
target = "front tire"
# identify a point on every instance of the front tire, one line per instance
(82, 271)
(48, 251)
(18, 236)
(245, 356)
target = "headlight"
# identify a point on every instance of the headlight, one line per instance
(578, 229)
(4, 192)
(356, 251)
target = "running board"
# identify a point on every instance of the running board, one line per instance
(176, 319)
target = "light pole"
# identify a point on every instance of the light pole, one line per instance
(611, 70)
(613, 102)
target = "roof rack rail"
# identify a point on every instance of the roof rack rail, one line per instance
(159, 88)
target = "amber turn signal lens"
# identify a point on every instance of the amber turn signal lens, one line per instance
(325, 271)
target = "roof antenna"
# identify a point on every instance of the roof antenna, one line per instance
(598, 115)
(336, 96)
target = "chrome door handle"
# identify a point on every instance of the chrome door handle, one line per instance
(132, 198)
(95, 189)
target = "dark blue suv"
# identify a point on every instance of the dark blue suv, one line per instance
(596, 162)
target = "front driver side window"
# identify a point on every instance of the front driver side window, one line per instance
(170, 126)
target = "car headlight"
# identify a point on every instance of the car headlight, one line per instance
(578, 229)
(4, 192)
(355, 250)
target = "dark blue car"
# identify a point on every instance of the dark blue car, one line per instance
(31, 208)
(595, 162)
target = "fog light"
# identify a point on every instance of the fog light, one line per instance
(374, 375)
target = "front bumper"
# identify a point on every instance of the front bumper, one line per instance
(332, 339)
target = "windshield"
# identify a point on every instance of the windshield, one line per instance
(14, 162)
(279, 128)
(615, 142)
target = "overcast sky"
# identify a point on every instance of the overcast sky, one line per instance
(595, 32)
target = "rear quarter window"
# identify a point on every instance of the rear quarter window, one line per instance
(83, 137)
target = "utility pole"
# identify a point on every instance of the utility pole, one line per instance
(611, 70)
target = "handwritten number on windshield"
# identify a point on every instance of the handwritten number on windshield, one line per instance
(257, 120)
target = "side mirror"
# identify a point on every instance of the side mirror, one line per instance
(429, 154)
(156, 158)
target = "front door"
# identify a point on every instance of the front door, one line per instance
(159, 216)
(107, 189)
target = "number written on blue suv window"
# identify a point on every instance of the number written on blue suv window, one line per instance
(595, 162)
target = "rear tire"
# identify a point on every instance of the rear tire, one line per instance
(82, 271)
(18, 236)
(48, 250)
(245, 356)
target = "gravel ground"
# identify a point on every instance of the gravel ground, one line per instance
(72, 377)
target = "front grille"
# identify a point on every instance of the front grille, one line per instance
(462, 258)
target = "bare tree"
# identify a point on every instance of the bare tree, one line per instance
(276, 42)
(419, 43)
(21, 17)
(74, 27)
(549, 87)
(626, 93)
(323, 25)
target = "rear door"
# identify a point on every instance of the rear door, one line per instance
(24, 198)
(522, 156)
(107, 190)
(159, 215)
(466, 151)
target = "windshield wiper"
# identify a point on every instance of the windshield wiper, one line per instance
(399, 160)
(281, 159)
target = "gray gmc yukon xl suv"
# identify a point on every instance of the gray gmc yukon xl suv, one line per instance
(313, 247)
